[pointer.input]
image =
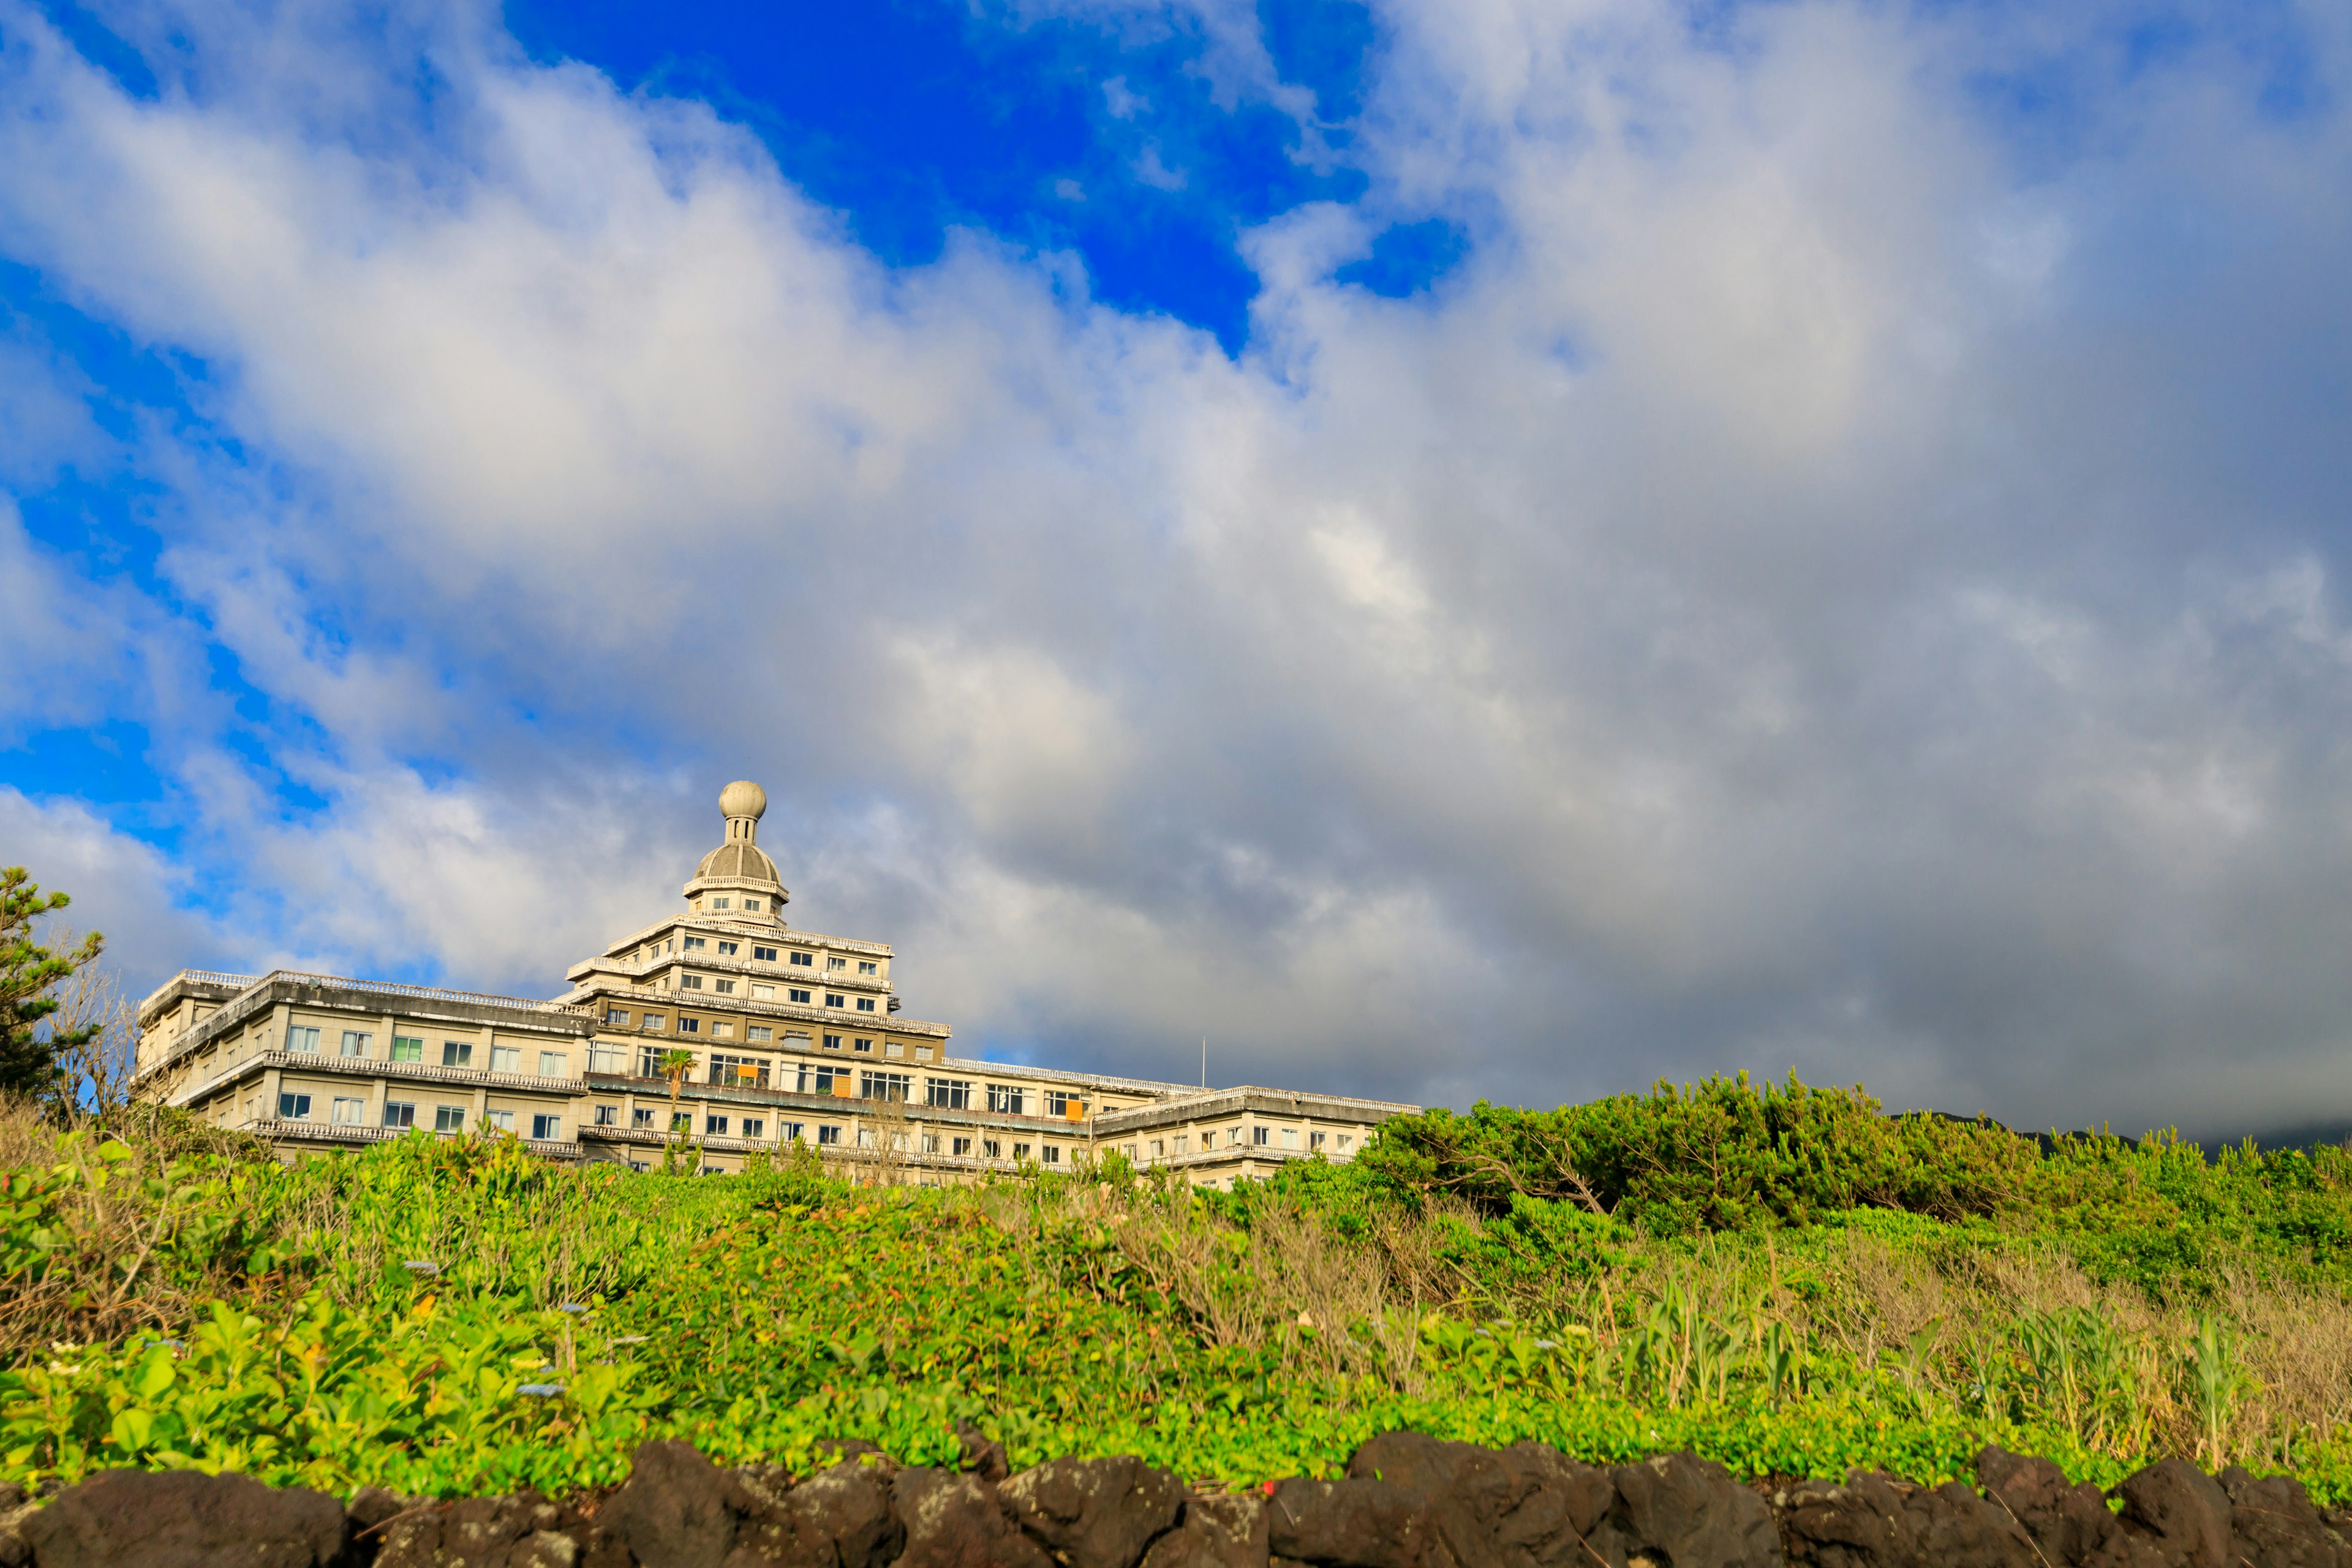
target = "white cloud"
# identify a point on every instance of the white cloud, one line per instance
(1803, 591)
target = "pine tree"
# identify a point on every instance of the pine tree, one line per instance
(29, 972)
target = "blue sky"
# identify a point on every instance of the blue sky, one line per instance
(1493, 549)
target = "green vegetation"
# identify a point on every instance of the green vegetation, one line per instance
(30, 974)
(1781, 1278)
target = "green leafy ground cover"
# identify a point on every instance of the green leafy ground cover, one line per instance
(1780, 1278)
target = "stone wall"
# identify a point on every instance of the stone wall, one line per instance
(1407, 1501)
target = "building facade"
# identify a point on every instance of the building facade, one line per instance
(719, 1030)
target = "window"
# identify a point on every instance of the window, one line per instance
(1059, 1103)
(681, 1121)
(689, 1025)
(896, 1086)
(690, 983)
(831, 1000)
(833, 1042)
(639, 1165)
(1209, 1139)
(1314, 1140)
(755, 1127)
(796, 1039)
(991, 1149)
(763, 954)
(547, 1129)
(758, 1032)
(722, 1029)
(922, 1052)
(498, 1120)
(506, 1058)
(456, 1053)
(948, 1093)
(828, 1134)
(865, 968)
(653, 1021)
(959, 1147)
(763, 993)
(608, 1115)
(866, 1003)
(554, 1064)
(1021, 1150)
(616, 1016)
(834, 963)
(303, 1042)
(1006, 1099)
(348, 1112)
(448, 1118)
(828, 1080)
(714, 1127)
(799, 997)
(607, 1058)
(865, 1045)
(1053, 1154)
(790, 1131)
(865, 1138)
(1156, 1149)
(399, 1113)
(724, 987)
(354, 1043)
(1290, 1137)
(722, 902)
(649, 1062)
(893, 1048)
(407, 1049)
(739, 1072)
(728, 949)
(693, 944)
(803, 960)
(752, 905)
(643, 1116)
(1258, 1136)
(930, 1143)
(1343, 1140)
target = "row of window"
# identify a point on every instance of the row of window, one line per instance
(719, 1125)
(727, 1071)
(718, 984)
(725, 949)
(753, 1034)
(344, 1111)
(1259, 1137)
(359, 1044)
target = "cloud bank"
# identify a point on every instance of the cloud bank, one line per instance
(1844, 573)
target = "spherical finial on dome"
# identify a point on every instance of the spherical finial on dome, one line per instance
(744, 798)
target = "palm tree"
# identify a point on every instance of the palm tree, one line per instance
(674, 1065)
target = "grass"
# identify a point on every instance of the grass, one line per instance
(450, 1317)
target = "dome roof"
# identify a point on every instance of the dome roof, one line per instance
(744, 798)
(738, 859)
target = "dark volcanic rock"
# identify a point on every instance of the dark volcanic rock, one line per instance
(1095, 1514)
(956, 1521)
(839, 1517)
(2068, 1524)
(1875, 1521)
(519, 1532)
(184, 1519)
(1686, 1511)
(672, 1512)
(1215, 1532)
(983, 1454)
(1522, 1507)
(1353, 1523)
(2183, 1511)
(2273, 1524)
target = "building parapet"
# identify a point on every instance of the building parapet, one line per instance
(372, 1067)
(285, 1130)
(1213, 1104)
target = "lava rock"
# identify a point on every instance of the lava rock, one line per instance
(1523, 1506)
(1215, 1532)
(839, 1517)
(2183, 1511)
(1875, 1521)
(1688, 1513)
(2273, 1524)
(983, 1454)
(2067, 1523)
(516, 1532)
(184, 1519)
(1095, 1514)
(956, 1521)
(672, 1512)
(1353, 1523)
